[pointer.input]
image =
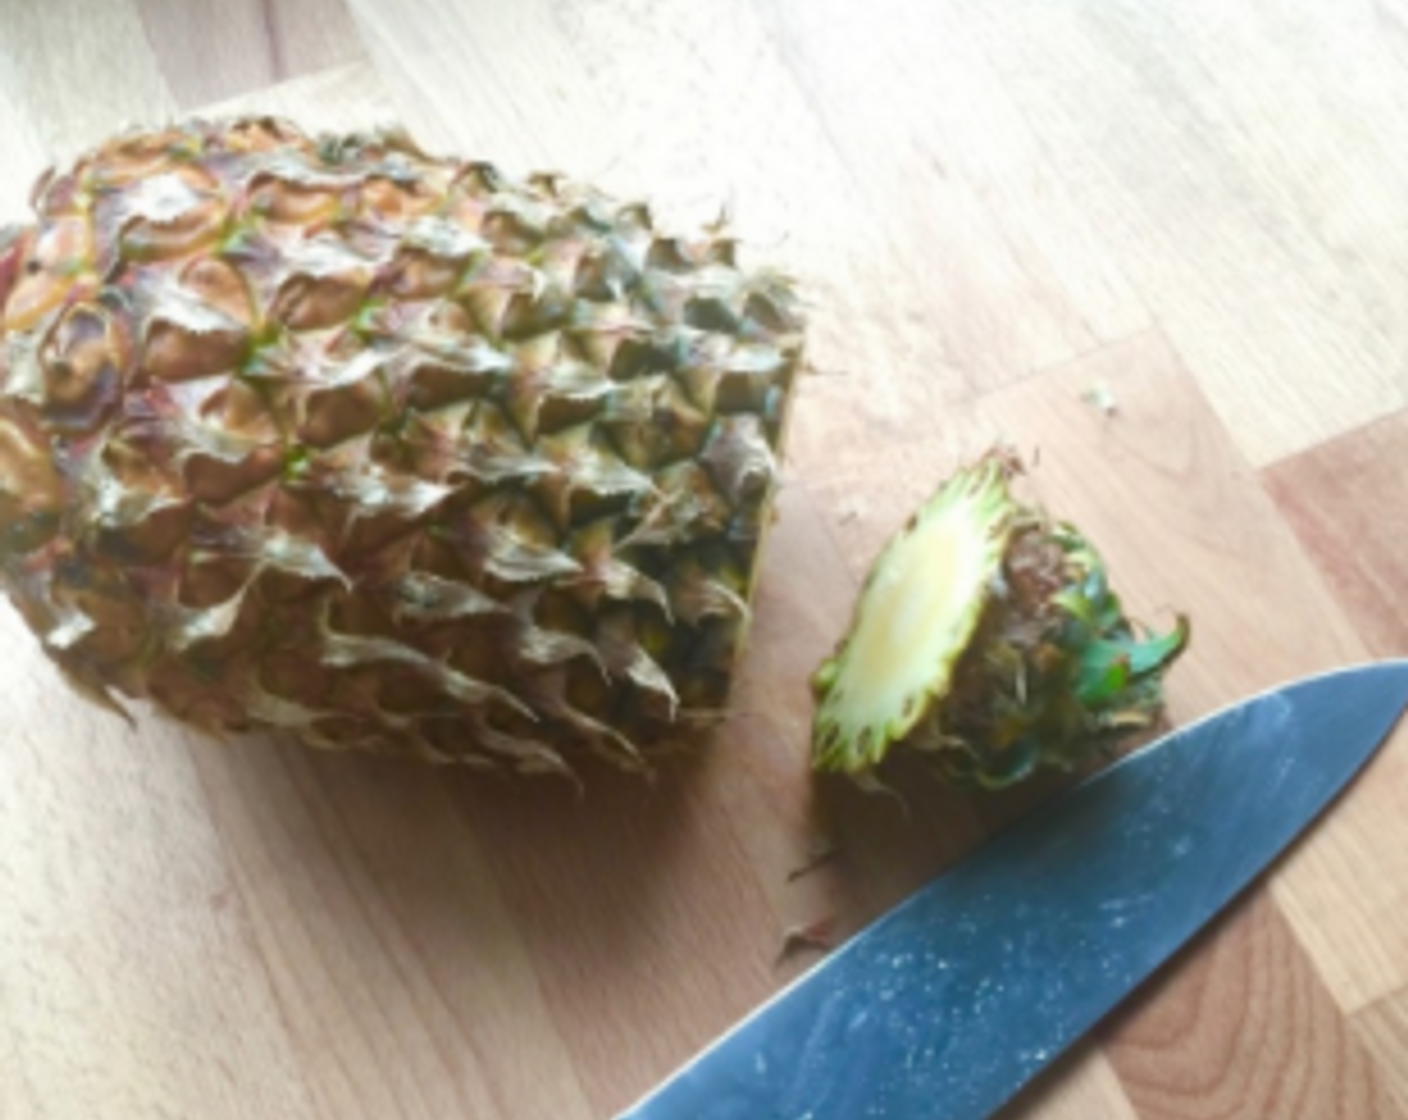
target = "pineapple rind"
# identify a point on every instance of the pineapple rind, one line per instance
(383, 450)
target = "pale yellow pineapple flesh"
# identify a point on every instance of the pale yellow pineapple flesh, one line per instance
(922, 600)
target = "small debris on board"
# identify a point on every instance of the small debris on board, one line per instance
(815, 936)
(1099, 396)
(853, 510)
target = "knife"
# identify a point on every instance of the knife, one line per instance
(946, 1006)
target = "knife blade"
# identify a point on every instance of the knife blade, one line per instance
(947, 1005)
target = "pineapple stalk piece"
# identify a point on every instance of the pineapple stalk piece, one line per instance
(987, 641)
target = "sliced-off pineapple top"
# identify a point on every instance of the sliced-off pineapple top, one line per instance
(988, 643)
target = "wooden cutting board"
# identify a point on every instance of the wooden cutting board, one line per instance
(1163, 249)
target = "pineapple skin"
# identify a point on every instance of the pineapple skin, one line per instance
(331, 437)
(1031, 664)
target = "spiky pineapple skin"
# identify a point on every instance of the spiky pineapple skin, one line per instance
(388, 451)
(1041, 669)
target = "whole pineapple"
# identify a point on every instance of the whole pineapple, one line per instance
(387, 451)
(987, 642)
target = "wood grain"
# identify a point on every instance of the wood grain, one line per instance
(1342, 499)
(1013, 275)
(1079, 1086)
(76, 71)
(406, 987)
(1210, 186)
(1247, 1031)
(209, 51)
(16, 1097)
(1383, 1030)
(993, 209)
(23, 151)
(128, 977)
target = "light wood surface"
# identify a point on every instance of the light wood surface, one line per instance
(1198, 210)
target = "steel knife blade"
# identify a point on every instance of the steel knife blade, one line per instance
(945, 1007)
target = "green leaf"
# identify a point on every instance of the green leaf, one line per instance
(1102, 672)
(1152, 655)
(1076, 605)
(1106, 667)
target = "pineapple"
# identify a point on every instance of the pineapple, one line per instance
(330, 437)
(988, 643)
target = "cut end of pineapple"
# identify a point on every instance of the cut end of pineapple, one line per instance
(917, 612)
(987, 644)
